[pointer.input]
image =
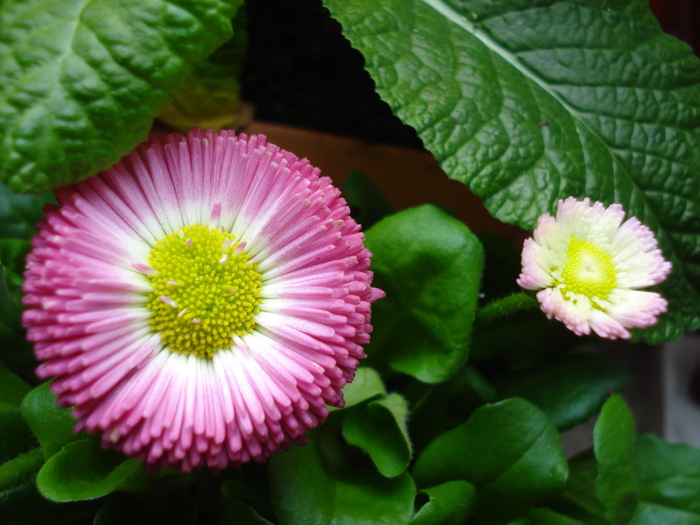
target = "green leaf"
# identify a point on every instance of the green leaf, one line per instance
(305, 493)
(12, 254)
(509, 450)
(528, 339)
(668, 475)
(569, 391)
(52, 425)
(82, 80)
(528, 103)
(429, 265)
(82, 470)
(613, 444)
(579, 499)
(379, 428)
(20, 213)
(211, 95)
(650, 514)
(367, 204)
(13, 472)
(20, 501)
(366, 385)
(450, 504)
(10, 313)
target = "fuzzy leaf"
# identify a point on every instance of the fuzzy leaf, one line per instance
(82, 80)
(530, 102)
(82, 471)
(52, 425)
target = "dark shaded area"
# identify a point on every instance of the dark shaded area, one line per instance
(301, 71)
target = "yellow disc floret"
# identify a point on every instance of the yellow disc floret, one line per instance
(204, 290)
(588, 270)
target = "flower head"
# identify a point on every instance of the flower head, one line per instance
(200, 302)
(588, 266)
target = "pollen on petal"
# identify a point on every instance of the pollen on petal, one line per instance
(587, 267)
(200, 303)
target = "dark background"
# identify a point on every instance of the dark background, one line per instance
(302, 72)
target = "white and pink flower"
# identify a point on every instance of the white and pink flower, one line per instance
(201, 302)
(588, 266)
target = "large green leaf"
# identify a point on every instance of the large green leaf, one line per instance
(429, 264)
(528, 102)
(668, 477)
(568, 391)
(509, 450)
(613, 444)
(305, 492)
(82, 80)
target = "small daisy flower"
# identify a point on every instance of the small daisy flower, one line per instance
(201, 302)
(588, 266)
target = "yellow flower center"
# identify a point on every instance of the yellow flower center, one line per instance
(204, 290)
(588, 270)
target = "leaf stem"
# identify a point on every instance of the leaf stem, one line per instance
(504, 306)
(20, 467)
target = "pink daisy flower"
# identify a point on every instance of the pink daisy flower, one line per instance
(201, 302)
(589, 266)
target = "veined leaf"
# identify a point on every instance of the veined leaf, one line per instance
(528, 102)
(82, 80)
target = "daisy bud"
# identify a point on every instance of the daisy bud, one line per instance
(588, 266)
